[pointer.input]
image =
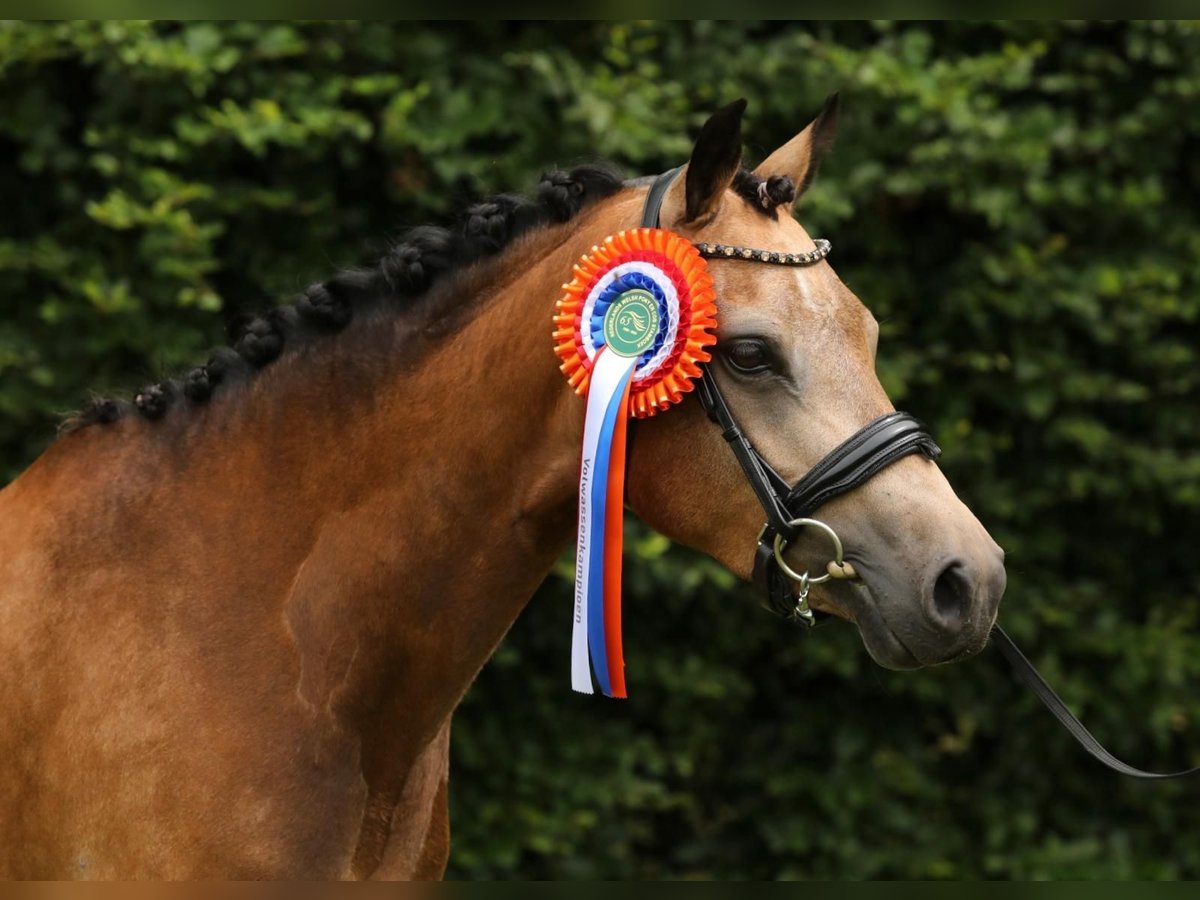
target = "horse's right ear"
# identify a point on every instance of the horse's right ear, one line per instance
(799, 158)
(714, 163)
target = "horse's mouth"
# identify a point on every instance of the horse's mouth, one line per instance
(855, 601)
(885, 646)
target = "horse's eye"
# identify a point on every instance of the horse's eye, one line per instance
(750, 357)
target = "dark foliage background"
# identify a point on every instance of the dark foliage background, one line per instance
(1016, 203)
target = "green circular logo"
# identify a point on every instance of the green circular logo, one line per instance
(631, 323)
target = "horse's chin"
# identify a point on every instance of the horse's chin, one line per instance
(881, 641)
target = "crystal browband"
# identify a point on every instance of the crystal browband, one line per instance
(726, 251)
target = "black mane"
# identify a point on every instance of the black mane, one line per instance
(408, 269)
(405, 272)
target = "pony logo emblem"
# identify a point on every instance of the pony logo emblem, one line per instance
(631, 323)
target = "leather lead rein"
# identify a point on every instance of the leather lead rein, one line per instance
(854, 461)
(1027, 672)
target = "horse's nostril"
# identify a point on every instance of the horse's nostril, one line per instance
(952, 597)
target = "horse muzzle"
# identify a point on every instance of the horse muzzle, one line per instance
(943, 614)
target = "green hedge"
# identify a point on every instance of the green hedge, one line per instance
(1016, 203)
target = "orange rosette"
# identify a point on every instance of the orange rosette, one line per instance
(650, 262)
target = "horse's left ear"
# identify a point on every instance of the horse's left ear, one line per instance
(696, 197)
(800, 157)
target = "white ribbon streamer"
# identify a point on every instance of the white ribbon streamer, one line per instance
(608, 376)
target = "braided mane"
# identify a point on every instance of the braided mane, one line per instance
(405, 272)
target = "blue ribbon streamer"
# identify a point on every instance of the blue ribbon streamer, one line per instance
(597, 641)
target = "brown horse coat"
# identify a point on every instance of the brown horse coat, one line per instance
(233, 637)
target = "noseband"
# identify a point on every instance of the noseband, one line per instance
(789, 508)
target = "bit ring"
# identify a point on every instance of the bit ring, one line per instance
(781, 544)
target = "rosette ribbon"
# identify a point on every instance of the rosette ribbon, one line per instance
(631, 330)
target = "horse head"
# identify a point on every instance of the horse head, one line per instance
(795, 362)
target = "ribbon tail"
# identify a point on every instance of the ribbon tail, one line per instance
(581, 670)
(614, 378)
(614, 545)
(608, 385)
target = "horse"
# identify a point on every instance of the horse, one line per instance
(238, 611)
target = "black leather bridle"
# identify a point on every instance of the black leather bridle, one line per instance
(868, 451)
(865, 453)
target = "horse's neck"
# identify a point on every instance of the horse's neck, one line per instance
(338, 547)
(346, 541)
(449, 497)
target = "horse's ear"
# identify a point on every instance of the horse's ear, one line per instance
(714, 163)
(799, 158)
